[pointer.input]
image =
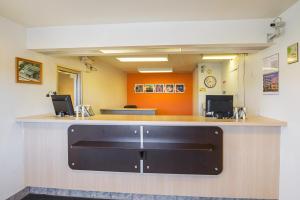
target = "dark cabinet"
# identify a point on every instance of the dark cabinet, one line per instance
(183, 150)
(104, 148)
(146, 149)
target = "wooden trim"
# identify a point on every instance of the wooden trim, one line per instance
(18, 59)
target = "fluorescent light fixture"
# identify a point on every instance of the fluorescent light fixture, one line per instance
(143, 59)
(140, 50)
(118, 51)
(219, 57)
(155, 70)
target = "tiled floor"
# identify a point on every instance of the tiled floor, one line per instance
(48, 197)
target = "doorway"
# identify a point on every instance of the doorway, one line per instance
(69, 83)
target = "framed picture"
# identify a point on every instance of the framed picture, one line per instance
(139, 88)
(292, 53)
(28, 71)
(159, 88)
(179, 88)
(149, 88)
(169, 88)
(271, 75)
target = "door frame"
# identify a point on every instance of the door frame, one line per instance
(78, 99)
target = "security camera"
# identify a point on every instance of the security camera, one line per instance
(277, 23)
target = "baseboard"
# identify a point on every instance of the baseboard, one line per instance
(20, 195)
(106, 195)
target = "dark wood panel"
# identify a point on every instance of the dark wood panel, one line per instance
(178, 146)
(118, 160)
(166, 149)
(104, 133)
(104, 148)
(195, 150)
(106, 145)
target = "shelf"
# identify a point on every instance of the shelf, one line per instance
(179, 146)
(106, 145)
(147, 146)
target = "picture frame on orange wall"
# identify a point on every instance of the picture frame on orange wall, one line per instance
(179, 88)
(159, 88)
(149, 88)
(169, 88)
(139, 88)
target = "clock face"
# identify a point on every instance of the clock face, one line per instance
(210, 81)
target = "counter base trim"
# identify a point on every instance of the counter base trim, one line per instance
(106, 195)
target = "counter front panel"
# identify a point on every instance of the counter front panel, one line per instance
(250, 168)
(146, 149)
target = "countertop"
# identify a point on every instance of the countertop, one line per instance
(175, 120)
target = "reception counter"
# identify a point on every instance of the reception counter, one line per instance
(250, 157)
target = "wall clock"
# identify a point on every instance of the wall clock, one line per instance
(210, 81)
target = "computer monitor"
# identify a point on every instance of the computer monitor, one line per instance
(220, 106)
(63, 105)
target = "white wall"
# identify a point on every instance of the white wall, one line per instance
(284, 106)
(233, 80)
(105, 88)
(196, 91)
(230, 81)
(15, 100)
(215, 69)
(25, 99)
(148, 34)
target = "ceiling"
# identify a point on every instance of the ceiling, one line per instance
(33, 13)
(180, 58)
(179, 63)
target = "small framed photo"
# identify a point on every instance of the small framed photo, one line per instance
(149, 88)
(159, 88)
(28, 71)
(292, 53)
(139, 88)
(169, 88)
(179, 88)
(271, 74)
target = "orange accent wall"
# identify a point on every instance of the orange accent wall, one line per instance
(166, 104)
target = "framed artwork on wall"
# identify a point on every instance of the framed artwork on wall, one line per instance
(28, 71)
(139, 88)
(292, 53)
(159, 88)
(179, 88)
(149, 88)
(271, 74)
(169, 88)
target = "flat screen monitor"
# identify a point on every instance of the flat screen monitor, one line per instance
(63, 105)
(220, 106)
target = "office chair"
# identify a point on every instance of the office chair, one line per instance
(130, 106)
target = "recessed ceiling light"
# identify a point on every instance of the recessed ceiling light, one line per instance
(143, 59)
(219, 57)
(155, 70)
